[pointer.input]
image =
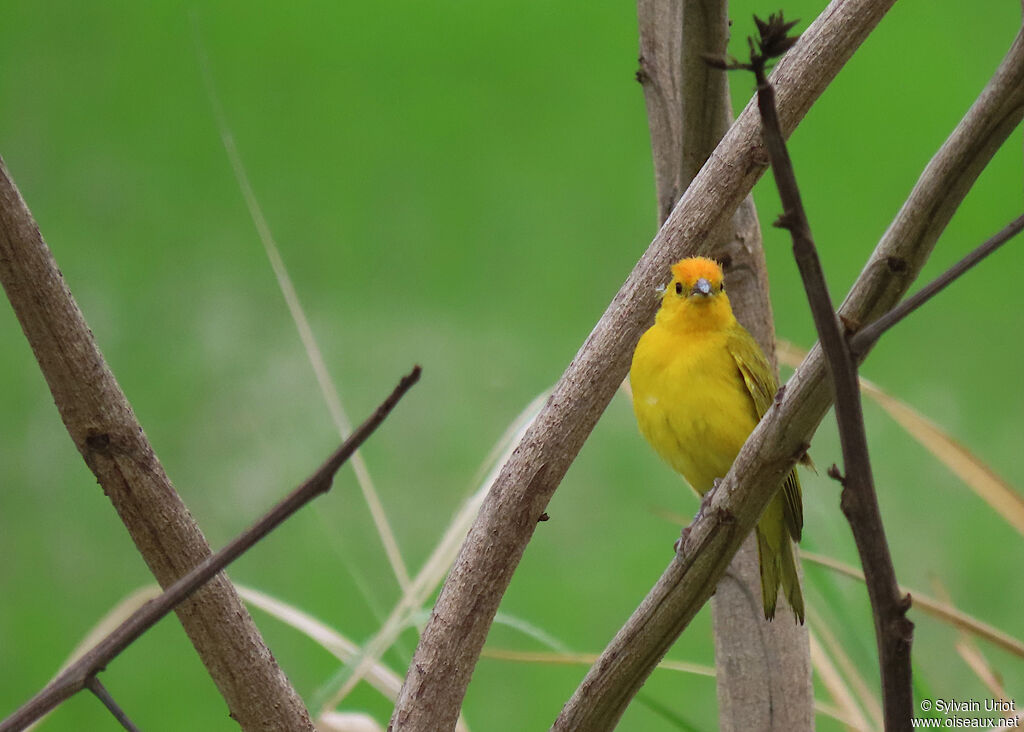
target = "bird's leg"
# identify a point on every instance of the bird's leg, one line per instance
(724, 515)
(681, 541)
(705, 501)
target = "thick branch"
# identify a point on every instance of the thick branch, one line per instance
(893, 630)
(731, 510)
(763, 670)
(688, 107)
(451, 642)
(82, 672)
(104, 429)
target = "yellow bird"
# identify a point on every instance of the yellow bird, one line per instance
(700, 385)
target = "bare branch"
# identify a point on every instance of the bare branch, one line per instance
(893, 630)
(97, 688)
(104, 429)
(939, 190)
(731, 510)
(80, 673)
(865, 338)
(688, 108)
(298, 313)
(450, 645)
(763, 669)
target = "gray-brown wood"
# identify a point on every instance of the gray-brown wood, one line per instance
(779, 440)
(451, 642)
(104, 429)
(763, 669)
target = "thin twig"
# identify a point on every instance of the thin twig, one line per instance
(298, 313)
(77, 675)
(114, 445)
(862, 340)
(96, 687)
(893, 630)
(438, 563)
(945, 612)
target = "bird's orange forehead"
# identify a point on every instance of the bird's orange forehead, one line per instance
(688, 271)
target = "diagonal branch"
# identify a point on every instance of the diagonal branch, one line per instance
(451, 643)
(104, 429)
(730, 511)
(893, 630)
(763, 669)
(866, 337)
(82, 672)
(302, 324)
(96, 687)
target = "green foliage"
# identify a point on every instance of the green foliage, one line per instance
(464, 186)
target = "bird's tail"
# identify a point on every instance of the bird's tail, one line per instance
(791, 580)
(778, 569)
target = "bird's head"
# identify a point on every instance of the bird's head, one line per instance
(695, 297)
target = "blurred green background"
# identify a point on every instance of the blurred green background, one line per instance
(464, 186)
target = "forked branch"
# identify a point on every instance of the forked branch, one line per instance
(893, 630)
(764, 678)
(103, 426)
(865, 338)
(440, 671)
(731, 510)
(81, 673)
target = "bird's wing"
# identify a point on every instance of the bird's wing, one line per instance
(761, 384)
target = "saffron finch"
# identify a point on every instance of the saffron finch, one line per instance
(700, 385)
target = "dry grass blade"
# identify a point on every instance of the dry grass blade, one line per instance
(837, 714)
(584, 659)
(114, 617)
(347, 722)
(845, 705)
(970, 653)
(992, 489)
(379, 676)
(696, 669)
(439, 561)
(930, 606)
(982, 480)
(977, 662)
(309, 343)
(841, 677)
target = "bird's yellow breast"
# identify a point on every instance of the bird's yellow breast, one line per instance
(691, 402)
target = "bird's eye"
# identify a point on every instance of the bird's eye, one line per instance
(679, 288)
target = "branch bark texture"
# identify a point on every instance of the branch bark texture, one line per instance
(688, 107)
(82, 673)
(730, 511)
(763, 670)
(450, 645)
(894, 632)
(104, 429)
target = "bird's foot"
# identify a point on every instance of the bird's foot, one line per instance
(705, 500)
(681, 541)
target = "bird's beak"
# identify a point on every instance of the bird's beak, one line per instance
(660, 289)
(701, 287)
